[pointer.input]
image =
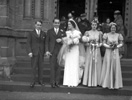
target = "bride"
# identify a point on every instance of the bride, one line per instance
(69, 55)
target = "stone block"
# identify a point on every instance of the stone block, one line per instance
(3, 2)
(21, 47)
(3, 21)
(3, 10)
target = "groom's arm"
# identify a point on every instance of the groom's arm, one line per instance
(60, 38)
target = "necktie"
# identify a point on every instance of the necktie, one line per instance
(38, 32)
(56, 30)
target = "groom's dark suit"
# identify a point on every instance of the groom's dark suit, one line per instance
(36, 46)
(53, 47)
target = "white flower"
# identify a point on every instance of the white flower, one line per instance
(64, 39)
(76, 41)
(69, 41)
(85, 39)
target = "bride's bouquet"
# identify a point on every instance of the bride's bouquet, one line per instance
(72, 41)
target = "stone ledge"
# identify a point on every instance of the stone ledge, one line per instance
(16, 33)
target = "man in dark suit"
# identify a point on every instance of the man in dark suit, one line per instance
(35, 45)
(53, 45)
(84, 25)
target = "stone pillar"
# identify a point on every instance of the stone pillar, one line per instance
(128, 24)
(90, 8)
(3, 13)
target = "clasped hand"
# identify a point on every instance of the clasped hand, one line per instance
(58, 40)
(30, 54)
(96, 45)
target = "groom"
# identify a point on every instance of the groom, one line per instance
(53, 45)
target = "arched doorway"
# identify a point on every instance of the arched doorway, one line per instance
(106, 8)
(66, 6)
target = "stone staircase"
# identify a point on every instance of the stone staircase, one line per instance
(22, 71)
(22, 76)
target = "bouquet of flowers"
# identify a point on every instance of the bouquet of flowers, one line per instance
(72, 41)
(113, 45)
(85, 39)
(93, 42)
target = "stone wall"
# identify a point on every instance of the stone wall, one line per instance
(16, 20)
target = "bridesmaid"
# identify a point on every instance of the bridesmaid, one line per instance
(111, 76)
(93, 62)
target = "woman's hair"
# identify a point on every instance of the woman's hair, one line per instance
(113, 24)
(94, 21)
(73, 23)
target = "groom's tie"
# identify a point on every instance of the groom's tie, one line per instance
(56, 31)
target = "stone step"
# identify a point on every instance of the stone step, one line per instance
(126, 61)
(46, 78)
(24, 87)
(19, 70)
(126, 68)
(28, 78)
(125, 74)
(28, 64)
(127, 81)
(28, 59)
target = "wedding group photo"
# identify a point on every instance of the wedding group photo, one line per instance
(66, 46)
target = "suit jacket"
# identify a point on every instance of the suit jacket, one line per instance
(35, 43)
(51, 45)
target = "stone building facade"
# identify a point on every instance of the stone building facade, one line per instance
(17, 18)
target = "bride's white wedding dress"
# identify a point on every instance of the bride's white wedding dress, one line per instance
(71, 67)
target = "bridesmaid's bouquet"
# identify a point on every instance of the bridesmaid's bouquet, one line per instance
(93, 42)
(113, 45)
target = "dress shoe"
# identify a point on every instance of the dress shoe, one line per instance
(57, 85)
(32, 85)
(41, 83)
(53, 85)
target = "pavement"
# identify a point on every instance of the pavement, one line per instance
(5, 95)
